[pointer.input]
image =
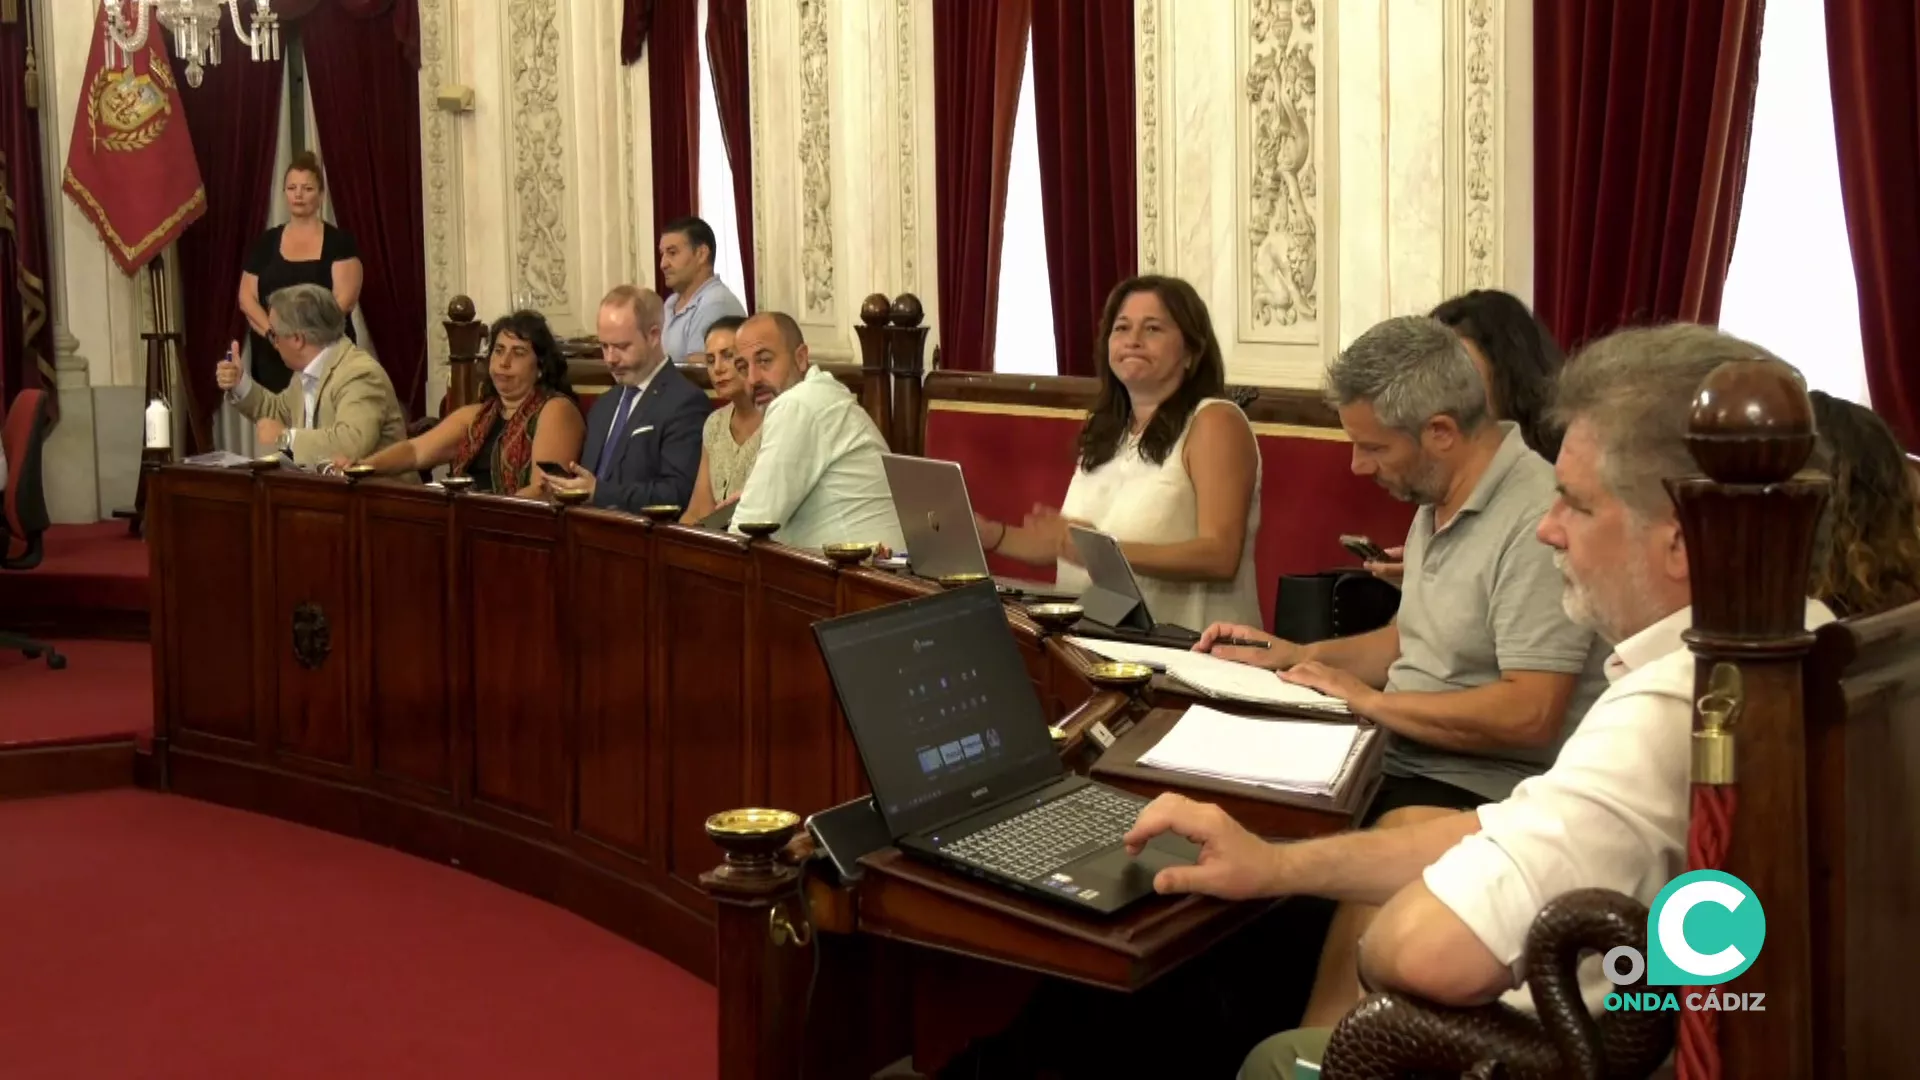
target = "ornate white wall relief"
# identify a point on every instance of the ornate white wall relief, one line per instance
(439, 178)
(816, 163)
(756, 72)
(904, 62)
(537, 126)
(1147, 122)
(1482, 145)
(1283, 202)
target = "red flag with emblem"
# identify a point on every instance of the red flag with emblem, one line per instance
(130, 166)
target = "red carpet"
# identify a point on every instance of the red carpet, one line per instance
(106, 692)
(151, 936)
(93, 578)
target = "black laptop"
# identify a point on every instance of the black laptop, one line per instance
(962, 763)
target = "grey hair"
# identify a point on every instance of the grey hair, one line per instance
(1412, 369)
(1636, 389)
(309, 311)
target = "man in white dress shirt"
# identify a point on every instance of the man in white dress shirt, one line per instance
(1461, 891)
(818, 475)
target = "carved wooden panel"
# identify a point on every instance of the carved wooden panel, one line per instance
(699, 740)
(796, 719)
(607, 595)
(206, 567)
(508, 581)
(308, 621)
(408, 630)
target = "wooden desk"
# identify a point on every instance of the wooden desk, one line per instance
(554, 699)
(558, 700)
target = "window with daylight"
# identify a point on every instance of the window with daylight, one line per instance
(1023, 342)
(1791, 288)
(716, 177)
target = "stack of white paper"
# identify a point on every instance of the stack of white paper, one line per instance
(1213, 677)
(223, 459)
(1302, 756)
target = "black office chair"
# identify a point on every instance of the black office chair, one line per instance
(25, 521)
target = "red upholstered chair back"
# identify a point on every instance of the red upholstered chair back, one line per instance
(26, 503)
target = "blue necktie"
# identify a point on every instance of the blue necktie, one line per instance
(617, 435)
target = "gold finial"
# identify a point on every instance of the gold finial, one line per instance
(1713, 761)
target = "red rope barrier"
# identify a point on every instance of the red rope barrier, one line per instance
(1709, 834)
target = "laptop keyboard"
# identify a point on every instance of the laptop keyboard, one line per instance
(1036, 842)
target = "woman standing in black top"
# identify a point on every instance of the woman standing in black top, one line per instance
(304, 251)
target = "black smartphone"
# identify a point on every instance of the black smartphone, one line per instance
(1364, 549)
(553, 468)
(847, 832)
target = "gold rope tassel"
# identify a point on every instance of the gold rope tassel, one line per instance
(32, 76)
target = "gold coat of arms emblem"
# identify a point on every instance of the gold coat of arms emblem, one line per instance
(126, 110)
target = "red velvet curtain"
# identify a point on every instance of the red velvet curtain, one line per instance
(979, 50)
(234, 118)
(26, 340)
(1643, 112)
(1873, 63)
(366, 102)
(1083, 108)
(727, 55)
(636, 22)
(673, 84)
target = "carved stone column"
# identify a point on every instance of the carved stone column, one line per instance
(69, 465)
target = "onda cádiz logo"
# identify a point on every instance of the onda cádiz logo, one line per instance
(1704, 929)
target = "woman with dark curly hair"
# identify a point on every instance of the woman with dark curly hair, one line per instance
(1871, 559)
(1516, 356)
(526, 414)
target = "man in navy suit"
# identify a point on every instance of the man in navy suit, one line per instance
(643, 436)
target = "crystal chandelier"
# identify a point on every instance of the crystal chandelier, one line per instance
(195, 25)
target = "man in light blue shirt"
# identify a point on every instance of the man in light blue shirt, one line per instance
(696, 298)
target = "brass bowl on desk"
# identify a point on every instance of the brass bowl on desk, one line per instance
(456, 484)
(1121, 675)
(751, 837)
(960, 581)
(358, 472)
(265, 462)
(1055, 618)
(571, 496)
(845, 555)
(661, 513)
(759, 530)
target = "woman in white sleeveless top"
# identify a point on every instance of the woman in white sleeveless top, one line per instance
(1168, 466)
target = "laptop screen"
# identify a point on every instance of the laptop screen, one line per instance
(940, 704)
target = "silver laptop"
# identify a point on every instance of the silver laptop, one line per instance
(936, 520)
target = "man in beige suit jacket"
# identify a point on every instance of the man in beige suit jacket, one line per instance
(340, 402)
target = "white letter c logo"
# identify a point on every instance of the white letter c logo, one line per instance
(1673, 936)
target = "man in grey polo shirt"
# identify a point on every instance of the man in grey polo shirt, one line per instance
(1482, 676)
(696, 298)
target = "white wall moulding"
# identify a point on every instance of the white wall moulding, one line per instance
(536, 131)
(1375, 144)
(1281, 135)
(440, 184)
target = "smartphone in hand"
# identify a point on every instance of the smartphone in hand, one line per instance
(553, 468)
(1364, 549)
